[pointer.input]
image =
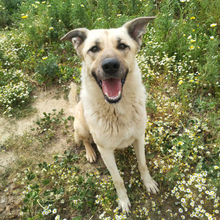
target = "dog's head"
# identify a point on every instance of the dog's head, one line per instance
(109, 54)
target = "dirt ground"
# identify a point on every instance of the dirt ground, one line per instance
(46, 101)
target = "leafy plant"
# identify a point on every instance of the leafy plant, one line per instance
(14, 91)
(47, 70)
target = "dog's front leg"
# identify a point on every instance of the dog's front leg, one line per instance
(148, 181)
(109, 160)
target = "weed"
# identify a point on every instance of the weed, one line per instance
(14, 91)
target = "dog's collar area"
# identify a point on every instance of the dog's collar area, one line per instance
(111, 88)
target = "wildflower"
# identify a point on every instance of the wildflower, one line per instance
(180, 82)
(183, 200)
(212, 37)
(82, 5)
(44, 58)
(24, 16)
(213, 25)
(62, 201)
(193, 18)
(183, 216)
(216, 167)
(57, 217)
(102, 215)
(192, 47)
(192, 203)
(51, 28)
(180, 210)
(75, 201)
(54, 211)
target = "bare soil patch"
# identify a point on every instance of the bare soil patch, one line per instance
(46, 101)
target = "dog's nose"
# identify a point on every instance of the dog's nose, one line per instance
(110, 65)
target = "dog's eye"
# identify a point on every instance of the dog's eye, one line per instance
(122, 46)
(95, 49)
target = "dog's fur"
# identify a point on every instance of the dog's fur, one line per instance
(112, 108)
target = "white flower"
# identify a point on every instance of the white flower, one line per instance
(183, 200)
(57, 217)
(21, 213)
(180, 210)
(213, 25)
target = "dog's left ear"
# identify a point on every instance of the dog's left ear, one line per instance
(136, 28)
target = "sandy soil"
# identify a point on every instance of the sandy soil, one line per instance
(46, 101)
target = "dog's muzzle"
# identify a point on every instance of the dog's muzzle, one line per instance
(112, 81)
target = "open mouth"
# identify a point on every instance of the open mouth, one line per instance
(111, 88)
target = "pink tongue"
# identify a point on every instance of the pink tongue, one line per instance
(111, 87)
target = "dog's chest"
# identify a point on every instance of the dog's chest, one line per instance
(116, 126)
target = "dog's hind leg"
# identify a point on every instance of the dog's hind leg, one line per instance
(82, 133)
(148, 181)
(109, 160)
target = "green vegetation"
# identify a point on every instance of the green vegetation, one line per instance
(180, 63)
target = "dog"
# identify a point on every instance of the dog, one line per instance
(111, 111)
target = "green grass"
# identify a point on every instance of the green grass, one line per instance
(180, 64)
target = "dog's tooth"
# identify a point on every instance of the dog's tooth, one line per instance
(119, 94)
(113, 98)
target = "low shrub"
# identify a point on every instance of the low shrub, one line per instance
(14, 90)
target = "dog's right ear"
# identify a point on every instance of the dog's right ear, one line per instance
(76, 37)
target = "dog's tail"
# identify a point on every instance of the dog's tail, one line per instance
(73, 98)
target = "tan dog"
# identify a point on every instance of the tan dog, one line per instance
(112, 108)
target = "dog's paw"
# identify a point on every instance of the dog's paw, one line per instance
(91, 155)
(124, 204)
(150, 184)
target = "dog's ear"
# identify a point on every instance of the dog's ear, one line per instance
(137, 27)
(76, 37)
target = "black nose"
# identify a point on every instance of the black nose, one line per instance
(110, 65)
